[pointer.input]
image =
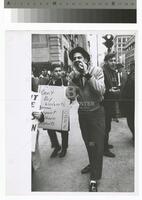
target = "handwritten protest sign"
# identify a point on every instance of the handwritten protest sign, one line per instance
(55, 106)
(35, 105)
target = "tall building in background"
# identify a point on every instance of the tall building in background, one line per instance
(48, 49)
(119, 47)
(130, 52)
(92, 48)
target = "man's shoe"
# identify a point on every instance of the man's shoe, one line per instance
(63, 153)
(116, 119)
(93, 186)
(110, 146)
(108, 153)
(55, 152)
(85, 170)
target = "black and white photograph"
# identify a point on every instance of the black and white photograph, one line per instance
(70, 99)
(83, 111)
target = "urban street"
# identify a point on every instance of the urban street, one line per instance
(64, 174)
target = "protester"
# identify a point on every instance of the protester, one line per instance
(114, 79)
(128, 100)
(35, 155)
(57, 80)
(88, 81)
(44, 77)
(34, 83)
(37, 115)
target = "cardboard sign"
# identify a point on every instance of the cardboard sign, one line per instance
(35, 105)
(55, 106)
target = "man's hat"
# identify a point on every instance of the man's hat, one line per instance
(79, 50)
(109, 55)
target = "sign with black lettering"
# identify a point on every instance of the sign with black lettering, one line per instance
(35, 105)
(55, 106)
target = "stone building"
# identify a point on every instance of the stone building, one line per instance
(119, 47)
(48, 49)
(130, 52)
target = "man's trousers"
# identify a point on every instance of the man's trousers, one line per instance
(92, 125)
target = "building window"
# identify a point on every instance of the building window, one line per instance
(119, 40)
(89, 44)
(39, 41)
(124, 40)
(35, 38)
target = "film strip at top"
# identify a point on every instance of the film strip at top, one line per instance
(72, 4)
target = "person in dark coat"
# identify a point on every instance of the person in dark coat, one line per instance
(57, 80)
(88, 81)
(114, 77)
(128, 100)
(34, 83)
(44, 77)
(38, 115)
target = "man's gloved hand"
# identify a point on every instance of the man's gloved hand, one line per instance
(37, 115)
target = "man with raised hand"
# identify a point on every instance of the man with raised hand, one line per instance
(88, 81)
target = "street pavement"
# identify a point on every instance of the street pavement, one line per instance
(63, 174)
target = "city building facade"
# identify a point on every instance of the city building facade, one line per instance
(119, 47)
(130, 52)
(48, 49)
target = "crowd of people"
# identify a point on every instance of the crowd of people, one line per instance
(103, 94)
